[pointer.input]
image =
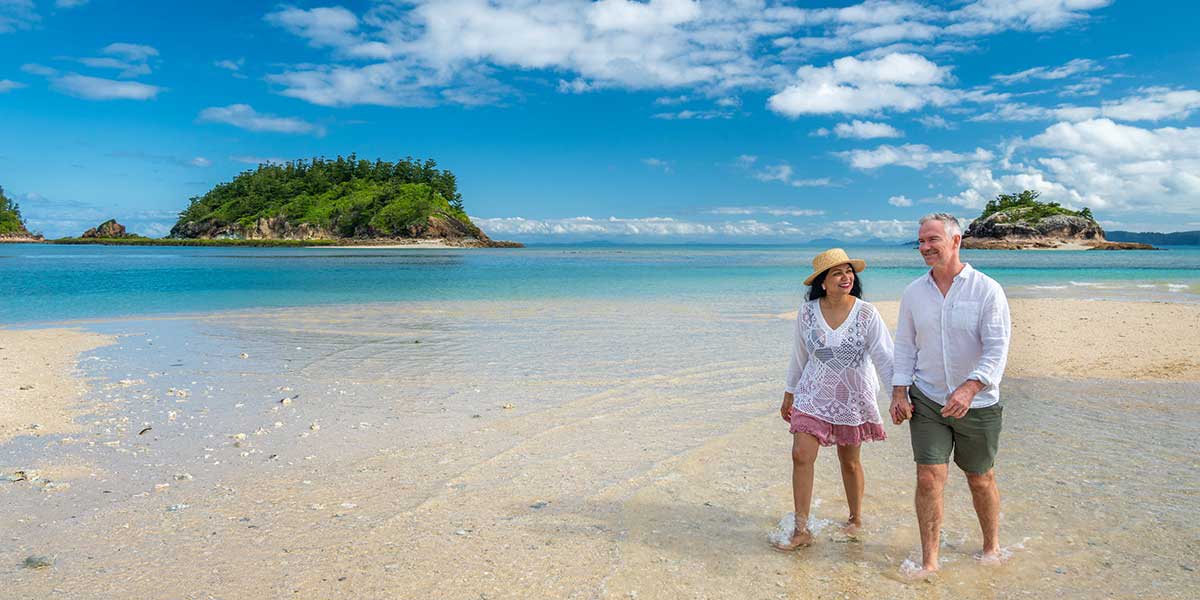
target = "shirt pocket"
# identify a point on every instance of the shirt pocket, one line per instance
(965, 315)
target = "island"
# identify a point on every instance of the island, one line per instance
(12, 226)
(346, 200)
(1021, 222)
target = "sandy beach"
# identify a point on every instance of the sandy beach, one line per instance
(574, 450)
(41, 394)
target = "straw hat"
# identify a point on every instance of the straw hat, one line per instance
(830, 259)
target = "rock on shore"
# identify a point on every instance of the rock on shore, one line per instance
(1005, 230)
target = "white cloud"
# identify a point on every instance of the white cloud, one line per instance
(781, 172)
(8, 85)
(131, 52)
(69, 3)
(667, 227)
(901, 201)
(901, 82)
(1100, 164)
(16, 15)
(245, 117)
(230, 65)
(1073, 67)
(766, 210)
(935, 122)
(127, 69)
(97, 88)
(1149, 104)
(41, 70)
(200, 161)
(323, 27)
(710, 47)
(914, 156)
(866, 130)
(665, 166)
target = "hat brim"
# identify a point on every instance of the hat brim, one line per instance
(857, 264)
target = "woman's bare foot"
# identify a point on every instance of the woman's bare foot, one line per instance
(800, 539)
(852, 527)
(911, 571)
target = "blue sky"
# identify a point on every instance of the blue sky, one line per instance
(659, 121)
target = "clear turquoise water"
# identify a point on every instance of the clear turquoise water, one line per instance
(45, 283)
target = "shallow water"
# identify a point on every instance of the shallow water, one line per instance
(41, 282)
(640, 454)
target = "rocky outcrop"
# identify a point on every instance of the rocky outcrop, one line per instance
(440, 226)
(107, 230)
(1007, 230)
(16, 237)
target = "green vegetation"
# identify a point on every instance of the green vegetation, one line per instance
(145, 241)
(10, 216)
(1025, 207)
(348, 197)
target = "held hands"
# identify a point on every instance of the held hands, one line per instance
(785, 410)
(959, 401)
(901, 408)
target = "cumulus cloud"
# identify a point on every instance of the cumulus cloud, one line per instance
(775, 211)
(913, 156)
(131, 52)
(1096, 163)
(900, 82)
(98, 88)
(417, 48)
(866, 130)
(901, 201)
(244, 116)
(8, 85)
(781, 173)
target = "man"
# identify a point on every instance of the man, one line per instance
(951, 346)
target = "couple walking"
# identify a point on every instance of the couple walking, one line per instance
(945, 366)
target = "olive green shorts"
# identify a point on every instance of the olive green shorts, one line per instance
(974, 439)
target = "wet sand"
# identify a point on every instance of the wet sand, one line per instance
(579, 450)
(39, 391)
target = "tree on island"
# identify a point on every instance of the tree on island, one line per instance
(343, 197)
(10, 216)
(1031, 210)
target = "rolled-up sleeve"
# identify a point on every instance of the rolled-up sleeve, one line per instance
(995, 331)
(798, 359)
(904, 363)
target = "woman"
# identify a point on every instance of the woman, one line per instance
(830, 394)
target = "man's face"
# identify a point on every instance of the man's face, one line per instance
(936, 247)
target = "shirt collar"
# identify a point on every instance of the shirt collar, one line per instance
(963, 274)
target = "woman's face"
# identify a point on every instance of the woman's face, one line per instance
(839, 281)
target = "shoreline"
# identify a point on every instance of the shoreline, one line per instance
(41, 390)
(330, 455)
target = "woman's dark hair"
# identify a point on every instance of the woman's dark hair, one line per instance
(816, 291)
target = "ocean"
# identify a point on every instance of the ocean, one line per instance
(46, 283)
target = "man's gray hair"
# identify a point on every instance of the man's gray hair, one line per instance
(949, 222)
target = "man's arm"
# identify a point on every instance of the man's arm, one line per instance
(995, 331)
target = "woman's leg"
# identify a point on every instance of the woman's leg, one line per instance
(804, 456)
(854, 482)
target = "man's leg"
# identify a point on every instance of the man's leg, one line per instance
(854, 482)
(986, 497)
(932, 443)
(931, 480)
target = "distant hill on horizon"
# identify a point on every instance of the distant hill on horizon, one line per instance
(1176, 238)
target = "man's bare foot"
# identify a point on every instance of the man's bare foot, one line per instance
(800, 539)
(911, 571)
(993, 557)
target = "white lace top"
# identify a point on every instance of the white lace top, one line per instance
(830, 373)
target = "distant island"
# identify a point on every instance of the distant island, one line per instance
(1021, 222)
(347, 200)
(12, 226)
(1178, 238)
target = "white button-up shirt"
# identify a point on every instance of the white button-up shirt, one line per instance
(943, 341)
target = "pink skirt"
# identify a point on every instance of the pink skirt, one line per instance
(829, 434)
